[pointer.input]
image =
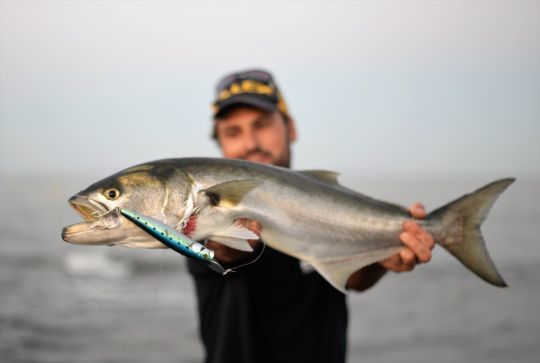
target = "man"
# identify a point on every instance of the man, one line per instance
(273, 310)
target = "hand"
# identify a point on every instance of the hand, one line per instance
(228, 255)
(418, 242)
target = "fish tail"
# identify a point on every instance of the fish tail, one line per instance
(461, 235)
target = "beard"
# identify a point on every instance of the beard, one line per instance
(264, 156)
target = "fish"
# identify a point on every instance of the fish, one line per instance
(306, 214)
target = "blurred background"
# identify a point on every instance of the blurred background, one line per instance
(409, 101)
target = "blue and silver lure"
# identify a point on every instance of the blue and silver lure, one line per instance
(173, 239)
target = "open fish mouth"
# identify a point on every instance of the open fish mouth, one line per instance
(90, 210)
(98, 222)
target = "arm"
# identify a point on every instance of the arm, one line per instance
(419, 244)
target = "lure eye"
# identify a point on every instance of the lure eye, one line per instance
(112, 194)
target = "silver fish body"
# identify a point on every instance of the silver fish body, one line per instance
(305, 214)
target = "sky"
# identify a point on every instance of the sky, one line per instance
(400, 88)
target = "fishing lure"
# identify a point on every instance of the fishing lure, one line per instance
(175, 240)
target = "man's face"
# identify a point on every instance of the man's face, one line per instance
(255, 135)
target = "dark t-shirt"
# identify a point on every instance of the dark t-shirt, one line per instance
(270, 311)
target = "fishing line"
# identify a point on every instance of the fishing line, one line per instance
(115, 211)
(232, 269)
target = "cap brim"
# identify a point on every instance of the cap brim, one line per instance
(246, 99)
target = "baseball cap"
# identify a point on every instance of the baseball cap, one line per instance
(254, 87)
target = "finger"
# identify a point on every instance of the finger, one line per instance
(392, 262)
(411, 226)
(426, 238)
(399, 263)
(414, 229)
(422, 253)
(255, 227)
(418, 210)
(403, 261)
(408, 259)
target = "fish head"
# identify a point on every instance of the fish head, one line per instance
(157, 191)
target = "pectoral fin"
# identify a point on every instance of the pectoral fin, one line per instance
(236, 243)
(229, 194)
(235, 236)
(338, 271)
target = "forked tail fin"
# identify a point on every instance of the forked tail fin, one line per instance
(471, 210)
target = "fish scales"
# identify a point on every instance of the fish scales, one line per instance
(285, 206)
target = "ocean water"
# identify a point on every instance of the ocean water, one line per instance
(66, 303)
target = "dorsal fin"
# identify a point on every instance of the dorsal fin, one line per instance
(326, 176)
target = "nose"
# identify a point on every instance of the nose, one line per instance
(249, 140)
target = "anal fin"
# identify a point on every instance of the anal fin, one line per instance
(338, 271)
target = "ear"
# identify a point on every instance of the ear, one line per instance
(291, 130)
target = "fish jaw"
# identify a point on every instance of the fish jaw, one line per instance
(87, 233)
(101, 225)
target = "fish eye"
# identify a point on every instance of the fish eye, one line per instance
(112, 194)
